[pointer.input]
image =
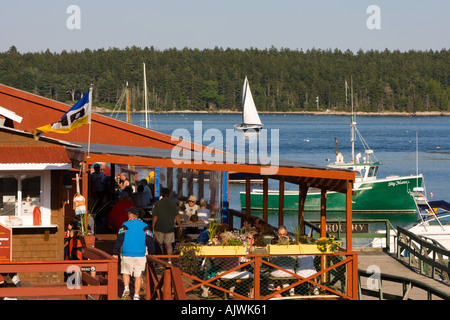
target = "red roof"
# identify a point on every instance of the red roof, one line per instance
(39, 111)
(33, 154)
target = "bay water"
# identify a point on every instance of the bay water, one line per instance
(405, 145)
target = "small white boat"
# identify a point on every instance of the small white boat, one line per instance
(433, 221)
(250, 117)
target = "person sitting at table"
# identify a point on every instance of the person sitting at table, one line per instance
(282, 234)
(267, 233)
(306, 268)
(287, 263)
(228, 263)
(139, 198)
(182, 211)
(191, 206)
(247, 225)
(203, 212)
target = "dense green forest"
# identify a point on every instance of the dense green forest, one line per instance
(281, 79)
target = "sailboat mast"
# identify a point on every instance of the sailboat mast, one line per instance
(128, 105)
(353, 138)
(145, 98)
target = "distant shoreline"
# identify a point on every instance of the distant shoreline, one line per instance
(312, 113)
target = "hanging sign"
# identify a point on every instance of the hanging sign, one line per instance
(5, 243)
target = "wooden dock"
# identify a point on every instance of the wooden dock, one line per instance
(387, 264)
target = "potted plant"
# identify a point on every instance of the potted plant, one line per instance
(227, 244)
(188, 261)
(284, 246)
(327, 244)
(86, 235)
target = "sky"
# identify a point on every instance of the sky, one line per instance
(38, 25)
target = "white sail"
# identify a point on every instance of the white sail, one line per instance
(250, 117)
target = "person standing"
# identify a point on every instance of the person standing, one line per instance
(134, 240)
(98, 184)
(165, 212)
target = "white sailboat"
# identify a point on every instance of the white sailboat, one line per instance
(250, 117)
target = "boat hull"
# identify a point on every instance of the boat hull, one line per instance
(384, 195)
(249, 128)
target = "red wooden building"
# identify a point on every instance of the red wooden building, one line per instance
(116, 142)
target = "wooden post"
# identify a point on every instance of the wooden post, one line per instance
(323, 228)
(190, 182)
(167, 285)
(248, 202)
(201, 184)
(323, 213)
(281, 203)
(113, 279)
(302, 192)
(212, 191)
(349, 216)
(257, 280)
(265, 198)
(170, 179)
(180, 182)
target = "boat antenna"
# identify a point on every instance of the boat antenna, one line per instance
(417, 159)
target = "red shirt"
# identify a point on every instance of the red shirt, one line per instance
(118, 214)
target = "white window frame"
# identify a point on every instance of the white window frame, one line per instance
(45, 195)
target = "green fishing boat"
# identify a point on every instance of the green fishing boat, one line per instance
(371, 194)
(390, 194)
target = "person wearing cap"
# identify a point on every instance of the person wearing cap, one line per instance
(164, 215)
(134, 241)
(191, 206)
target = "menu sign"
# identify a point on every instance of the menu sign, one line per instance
(5, 243)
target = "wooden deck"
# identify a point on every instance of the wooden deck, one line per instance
(387, 264)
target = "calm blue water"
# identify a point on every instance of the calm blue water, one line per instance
(310, 139)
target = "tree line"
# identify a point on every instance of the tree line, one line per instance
(281, 80)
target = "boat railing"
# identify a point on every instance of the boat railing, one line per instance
(420, 199)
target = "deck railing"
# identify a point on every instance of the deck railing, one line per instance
(406, 284)
(253, 278)
(81, 280)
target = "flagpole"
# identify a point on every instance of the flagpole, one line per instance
(89, 122)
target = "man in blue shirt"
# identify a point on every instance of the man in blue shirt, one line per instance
(135, 239)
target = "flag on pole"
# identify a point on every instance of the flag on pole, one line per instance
(77, 116)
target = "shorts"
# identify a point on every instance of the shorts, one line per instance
(133, 266)
(162, 237)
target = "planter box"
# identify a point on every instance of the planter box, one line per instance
(87, 241)
(222, 251)
(294, 249)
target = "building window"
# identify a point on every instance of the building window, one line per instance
(19, 194)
